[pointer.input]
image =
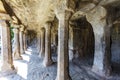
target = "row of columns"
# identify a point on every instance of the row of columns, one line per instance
(6, 48)
(16, 50)
(6, 51)
(45, 52)
(63, 60)
(101, 64)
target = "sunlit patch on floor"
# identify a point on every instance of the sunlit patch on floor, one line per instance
(22, 65)
(3, 78)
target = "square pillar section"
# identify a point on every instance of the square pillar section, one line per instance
(6, 53)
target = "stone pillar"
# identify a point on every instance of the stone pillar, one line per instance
(101, 63)
(48, 57)
(21, 40)
(38, 41)
(63, 56)
(6, 53)
(24, 40)
(42, 50)
(16, 50)
(54, 43)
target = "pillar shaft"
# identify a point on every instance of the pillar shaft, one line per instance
(42, 50)
(16, 50)
(54, 39)
(25, 41)
(63, 56)
(38, 41)
(21, 42)
(101, 64)
(6, 54)
(48, 57)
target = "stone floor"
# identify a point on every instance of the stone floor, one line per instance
(31, 68)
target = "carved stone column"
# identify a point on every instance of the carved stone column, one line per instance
(16, 50)
(38, 41)
(101, 64)
(48, 57)
(24, 40)
(63, 56)
(21, 40)
(6, 53)
(42, 50)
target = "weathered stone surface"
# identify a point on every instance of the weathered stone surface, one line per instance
(25, 40)
(34, 70)
(7, 60)
(16, 50)
(48, 56)
(21, 40)
(42, 50)
(33, 14)
(98, 23)
(63, 58)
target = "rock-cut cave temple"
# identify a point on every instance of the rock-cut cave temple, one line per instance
(59, 39)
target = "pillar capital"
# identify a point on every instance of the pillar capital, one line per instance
(4, 16)
(47, 25)
(65, 15)
(25, 31)
(15, 25)
(14, 20)
(3, 23)
(15, 30)
(21, 28)
(96, 15)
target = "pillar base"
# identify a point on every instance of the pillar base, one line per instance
(104, 73)
(67, 78)
(22, 52)
(18, 58)
(47, 63)
(7, 69)
(8, 72)
(41, 55)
